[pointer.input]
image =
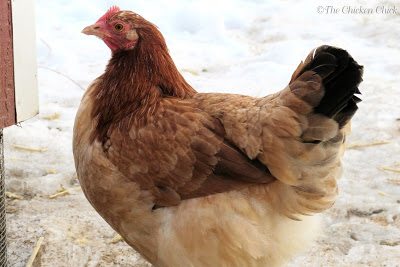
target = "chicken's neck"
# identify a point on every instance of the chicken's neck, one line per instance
(132, 86)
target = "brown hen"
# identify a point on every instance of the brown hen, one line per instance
(193, 179)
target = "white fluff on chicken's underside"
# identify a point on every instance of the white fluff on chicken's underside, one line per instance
(188, 182)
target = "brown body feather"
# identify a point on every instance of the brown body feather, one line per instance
(168, 168)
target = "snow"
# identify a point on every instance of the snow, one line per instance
(235, 46)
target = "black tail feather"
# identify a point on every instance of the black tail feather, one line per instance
(341, 75)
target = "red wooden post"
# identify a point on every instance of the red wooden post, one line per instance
(7, 90)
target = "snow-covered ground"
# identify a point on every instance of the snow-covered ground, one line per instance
(236, 46)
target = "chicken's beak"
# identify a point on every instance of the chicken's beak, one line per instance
(94, 29)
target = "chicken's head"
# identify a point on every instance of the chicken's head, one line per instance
(120, 30)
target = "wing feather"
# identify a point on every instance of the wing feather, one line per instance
(182, 154)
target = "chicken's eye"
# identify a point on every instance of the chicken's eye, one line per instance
(119, 27)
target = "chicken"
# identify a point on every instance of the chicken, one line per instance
(195, 179)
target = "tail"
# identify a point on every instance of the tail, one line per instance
(339, 75)
(305, 138)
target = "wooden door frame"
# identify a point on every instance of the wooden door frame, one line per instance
(7, 83)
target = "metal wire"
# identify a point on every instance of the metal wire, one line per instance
(3, 241)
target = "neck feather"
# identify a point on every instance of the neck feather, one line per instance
(133, 84)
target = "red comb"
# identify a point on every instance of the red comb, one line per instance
(109, 13)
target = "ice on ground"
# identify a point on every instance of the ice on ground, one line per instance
(237, 46)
